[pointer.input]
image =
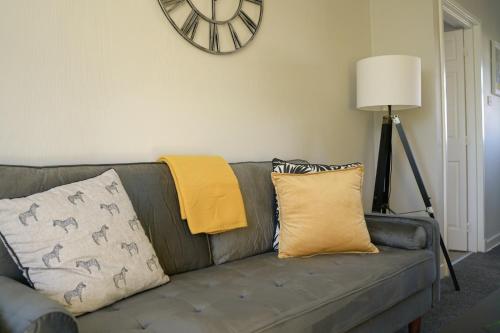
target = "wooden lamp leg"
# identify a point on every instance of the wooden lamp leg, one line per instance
(414, 326)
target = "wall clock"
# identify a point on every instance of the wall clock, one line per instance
(215, 26)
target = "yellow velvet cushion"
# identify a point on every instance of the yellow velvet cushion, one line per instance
(321, 213)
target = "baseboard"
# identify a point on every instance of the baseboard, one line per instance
(456, 261)
(492, 242)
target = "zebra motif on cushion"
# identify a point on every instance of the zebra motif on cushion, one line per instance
(54, 254)
(77, 292)
(112, 188)
(120, 277)
(152, 262)
(65, 223)
(77, 196)
(24, 216)
(134, 223)
(110, 208)
(102, 233)
(87, 264)
(131, 248)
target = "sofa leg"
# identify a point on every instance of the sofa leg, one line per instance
(414, 326)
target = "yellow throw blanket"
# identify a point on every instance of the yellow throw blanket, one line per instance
(209, 194)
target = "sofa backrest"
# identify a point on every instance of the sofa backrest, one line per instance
(151, 189)
(258, 195)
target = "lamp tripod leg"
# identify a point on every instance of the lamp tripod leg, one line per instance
(423, 192)
(448, 263)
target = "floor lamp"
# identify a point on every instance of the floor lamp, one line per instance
(390, 83)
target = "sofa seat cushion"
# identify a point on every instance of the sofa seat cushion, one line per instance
(267, 294)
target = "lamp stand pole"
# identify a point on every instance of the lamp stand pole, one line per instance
(382, 181)
(383, 178)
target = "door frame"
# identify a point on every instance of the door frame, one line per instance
(453, 13)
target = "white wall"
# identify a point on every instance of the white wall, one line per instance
(411, 27)
(488, 12)
(92, 81)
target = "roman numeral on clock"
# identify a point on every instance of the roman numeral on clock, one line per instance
(170, 5)
(190, 25)
(213, 43)
(248, 22)
(234, 36)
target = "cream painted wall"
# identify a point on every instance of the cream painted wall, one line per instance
(488, 12)
(411, 27)
(93, 82)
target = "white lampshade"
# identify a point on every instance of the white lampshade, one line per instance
(389, 80)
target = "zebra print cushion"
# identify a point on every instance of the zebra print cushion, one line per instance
(81, 244)
(282, 166)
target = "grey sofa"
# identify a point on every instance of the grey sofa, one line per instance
(253, 291)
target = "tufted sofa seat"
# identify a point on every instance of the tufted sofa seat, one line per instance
(253, 291)
(266, 294)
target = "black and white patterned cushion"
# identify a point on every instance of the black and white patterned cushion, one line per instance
(81, 244)
(282, 166)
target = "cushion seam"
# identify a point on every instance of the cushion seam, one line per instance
(16, 260)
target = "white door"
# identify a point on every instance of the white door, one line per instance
(457, 140)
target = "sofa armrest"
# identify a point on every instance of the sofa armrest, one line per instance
(23, 309)
(386, 229)
(391, 233)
